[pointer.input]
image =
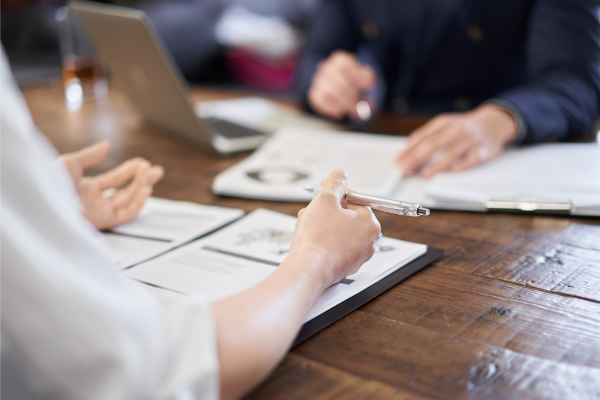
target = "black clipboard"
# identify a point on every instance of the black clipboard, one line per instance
(360, 299)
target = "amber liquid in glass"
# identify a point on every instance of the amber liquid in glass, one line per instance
(87, 71)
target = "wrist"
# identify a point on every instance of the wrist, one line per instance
(498, 121)
(311, 260)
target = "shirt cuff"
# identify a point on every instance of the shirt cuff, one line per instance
(516, 114)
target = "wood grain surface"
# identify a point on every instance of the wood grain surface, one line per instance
(512, 311)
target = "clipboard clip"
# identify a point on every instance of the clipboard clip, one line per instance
(528, 206)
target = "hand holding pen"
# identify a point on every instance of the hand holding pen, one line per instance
(340, 87)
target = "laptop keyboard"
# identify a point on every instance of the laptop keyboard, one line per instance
(230, 130)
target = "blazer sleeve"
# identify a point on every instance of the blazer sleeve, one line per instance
(562, 95)
(332, 29)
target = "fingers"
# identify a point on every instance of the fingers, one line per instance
(448, 157)
(333, 94)
(126, 195)
(370, 229)
(130, 211)
(426, 131)
(120, 175)
(366, 77)
(334, 184)
(156, 173)
(473, 158)
(429, 151)
(92, 155)
(337, 85)
(327, 101)
(422, 144)
(366, 214)
(301, 212)
(125, 204)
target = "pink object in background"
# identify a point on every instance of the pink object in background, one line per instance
(260, 72)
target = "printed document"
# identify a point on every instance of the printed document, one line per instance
(560, 172)
(244, 253)
(547, 173)
(163, 225)
(295, 158)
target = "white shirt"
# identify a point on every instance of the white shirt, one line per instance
(72, 326)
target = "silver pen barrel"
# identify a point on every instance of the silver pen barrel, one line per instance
(379, 203)
(387, 205)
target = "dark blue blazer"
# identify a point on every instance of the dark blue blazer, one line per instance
(540, 56)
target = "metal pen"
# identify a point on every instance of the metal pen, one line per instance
(379, 203)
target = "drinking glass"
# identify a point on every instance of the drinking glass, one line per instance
(84, 73)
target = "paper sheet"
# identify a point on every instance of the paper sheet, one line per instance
(561, 172)
(165, 224)
(295, 158)
(244, 253)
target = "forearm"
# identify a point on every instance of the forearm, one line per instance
(555, 108)
(256, 327)
(562, 94)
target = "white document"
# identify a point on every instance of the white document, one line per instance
(560, 172)
(260, 114)
(241, 255)
(545, 173)
(294, 158)
(165, 224)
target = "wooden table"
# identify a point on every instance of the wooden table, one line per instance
(511, 311)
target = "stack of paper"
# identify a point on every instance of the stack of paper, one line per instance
(561, 173)
(294, 158)
(163, 225)
(244, 253)
(568, 173)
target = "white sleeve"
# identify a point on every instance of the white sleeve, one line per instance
(72, 326)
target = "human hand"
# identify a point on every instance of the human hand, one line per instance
(125, 203)
(337, 85)
(341, 235)
(457, 142)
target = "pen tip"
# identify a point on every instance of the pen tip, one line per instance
(309, 189)
(423, 211)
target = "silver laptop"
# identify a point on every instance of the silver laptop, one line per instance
(128, 42)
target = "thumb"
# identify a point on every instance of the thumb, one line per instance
(92, 155)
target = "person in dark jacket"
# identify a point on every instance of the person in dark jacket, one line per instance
(502, 72)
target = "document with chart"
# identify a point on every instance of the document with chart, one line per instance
(239, 256)
(163, 225)
(544, 178)
(294, 158)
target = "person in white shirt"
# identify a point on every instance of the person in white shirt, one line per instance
(75, 328)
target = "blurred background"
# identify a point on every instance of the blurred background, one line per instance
(238, 43)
